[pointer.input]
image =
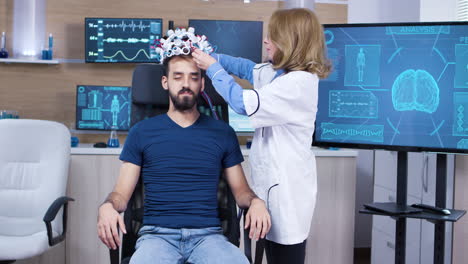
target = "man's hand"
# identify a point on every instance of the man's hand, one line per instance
(107, 225)
(202, 59)
(258, 219)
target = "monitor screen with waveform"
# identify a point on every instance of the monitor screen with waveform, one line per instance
(395, 86)
(103, 107)
(235, 38)
(113, 40)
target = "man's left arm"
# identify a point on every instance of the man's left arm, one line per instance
(257, 217)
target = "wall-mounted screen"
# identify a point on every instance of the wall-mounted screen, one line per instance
(235, 38)
(395, 86)
(103, 107)
(112, 40)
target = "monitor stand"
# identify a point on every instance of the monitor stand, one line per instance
(399, 209)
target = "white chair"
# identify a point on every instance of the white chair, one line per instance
(34, 161)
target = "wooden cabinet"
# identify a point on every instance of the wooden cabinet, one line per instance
(91, 179)
(55, 255)
(331, 238)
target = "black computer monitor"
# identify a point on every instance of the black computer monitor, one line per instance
(111, 40)
(396, 86)
(103, 107)
(235, 38)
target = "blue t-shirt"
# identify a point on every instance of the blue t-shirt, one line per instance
(181, 168)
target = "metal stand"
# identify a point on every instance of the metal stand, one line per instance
(401, 216)
(441, 198)
(402, 191)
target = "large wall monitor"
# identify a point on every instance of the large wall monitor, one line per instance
(103, 107)
(396, 86)
(113, 40)
(235, 38)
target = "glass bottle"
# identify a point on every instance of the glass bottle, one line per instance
(113, 141)
(3, 51)
(74, 139)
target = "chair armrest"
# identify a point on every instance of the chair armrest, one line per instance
(114, 255)
(131, 216)
(50, 216)
(259, 245)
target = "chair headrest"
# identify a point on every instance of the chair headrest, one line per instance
(147, 87)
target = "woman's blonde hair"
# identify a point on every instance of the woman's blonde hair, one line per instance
(298, 36)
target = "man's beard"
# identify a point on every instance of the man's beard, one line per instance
(185, 102)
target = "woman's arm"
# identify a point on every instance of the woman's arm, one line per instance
(242, 68)
(224, 83)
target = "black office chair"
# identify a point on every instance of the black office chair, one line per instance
(150, 99)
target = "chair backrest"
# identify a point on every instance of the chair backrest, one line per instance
(149, 97)
(34, 162)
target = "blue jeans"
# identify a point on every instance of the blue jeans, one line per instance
(196, 246)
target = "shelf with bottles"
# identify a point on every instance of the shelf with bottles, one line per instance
(46, 54)
(12, 60)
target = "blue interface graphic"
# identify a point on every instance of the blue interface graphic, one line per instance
(103, 107)
(121, 39)
(236, 38)
(400, 86)
(240, 123)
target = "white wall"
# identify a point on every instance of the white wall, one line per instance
(376, 11)
(437, 10)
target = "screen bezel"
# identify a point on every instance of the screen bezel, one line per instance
(93, 129)
(110, 62)
(327, 144)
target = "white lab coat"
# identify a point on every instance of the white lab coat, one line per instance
(283, 169)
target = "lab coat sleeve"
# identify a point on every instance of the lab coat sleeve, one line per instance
(289, 99)
(227, 87)
(240, 67)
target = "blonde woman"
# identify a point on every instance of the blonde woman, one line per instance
(282, 109)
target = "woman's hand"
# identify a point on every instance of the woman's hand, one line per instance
(202, 59)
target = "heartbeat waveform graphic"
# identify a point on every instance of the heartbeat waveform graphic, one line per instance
(125, 57)
(352, 132)
(357, 132)
(128, 40)
(132, 25)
